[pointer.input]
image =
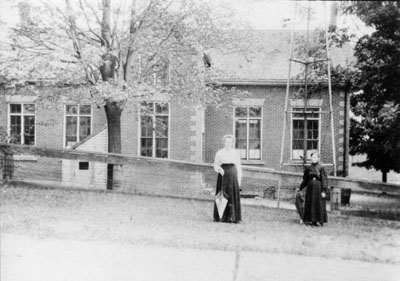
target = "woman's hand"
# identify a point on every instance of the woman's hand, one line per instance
(221, 171)
(323, 194)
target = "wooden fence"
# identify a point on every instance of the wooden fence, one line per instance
(249, 172)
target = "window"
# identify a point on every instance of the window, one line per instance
(312, 132)
(78, 120)
(22, 123)
(248, 132)
(83, 165)
(154, 125)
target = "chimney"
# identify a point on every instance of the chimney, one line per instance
(24, 12)
(334, 15)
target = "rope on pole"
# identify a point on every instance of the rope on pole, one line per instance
(330, 94)
(307, 61)
(288, 86)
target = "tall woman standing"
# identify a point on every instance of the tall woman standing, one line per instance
(316, 181)
(228, 166)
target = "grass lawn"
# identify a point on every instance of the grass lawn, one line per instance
(181, 223)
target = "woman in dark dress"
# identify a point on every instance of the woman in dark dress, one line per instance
(316, 181)
(228, 166)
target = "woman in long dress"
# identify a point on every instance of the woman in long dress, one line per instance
(316, 181)
(228, 166)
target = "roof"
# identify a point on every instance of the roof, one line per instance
(265, 82)
(267, 58)
(75, 146)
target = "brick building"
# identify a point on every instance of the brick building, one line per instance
(194, 133)
(257, 122)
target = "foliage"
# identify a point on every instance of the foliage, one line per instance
(121, 57)
(376, 130)
(113, 52)
(314, 52)
(3, 135)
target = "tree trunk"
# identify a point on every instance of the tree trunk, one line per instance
(113, 113)
(384, 176)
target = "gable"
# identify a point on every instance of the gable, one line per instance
(96, 142)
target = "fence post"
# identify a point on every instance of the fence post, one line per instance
(279, 193)
(8, 166)
(335, 199)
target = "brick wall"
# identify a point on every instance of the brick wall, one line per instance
(50, 125)
(3, 112)
(129, 129)
(49, 119)
(185, 131)
(219, 121)
(187, 141)
(49, 131)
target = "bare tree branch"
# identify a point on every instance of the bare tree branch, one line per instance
(77, 46)
(88, 23)
(105, 24)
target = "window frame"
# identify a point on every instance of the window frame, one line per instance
(153, 116)
(248, 118)
(78, 115)
(318, 118)
(22, 114)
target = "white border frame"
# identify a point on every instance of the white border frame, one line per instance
(291, 131)
(9, 114)
(261, 118)
(139, 130)
(78, 115)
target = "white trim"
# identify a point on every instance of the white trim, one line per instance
(139, 130)
(300, 163)
(8, 122)
(78, 121)
(153, 115)
(20, 99)
(269, 82)
(22, 115)
(22, 157)
(248, 102)
(86, 100)
(169, 130)
(64, 125)
(252, 162)
(310, 103)
(291, 131)
(261, 118)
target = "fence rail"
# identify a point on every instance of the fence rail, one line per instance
(248, 171)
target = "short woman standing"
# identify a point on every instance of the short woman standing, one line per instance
(316, 181)
(227, 165)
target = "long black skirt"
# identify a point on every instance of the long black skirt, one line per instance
(315, 205)
(229, 182)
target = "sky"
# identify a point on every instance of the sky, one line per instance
(260, 14)
(268, 14)
(274, 14)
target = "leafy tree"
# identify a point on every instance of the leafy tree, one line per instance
(375, 131)
(119, 51)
